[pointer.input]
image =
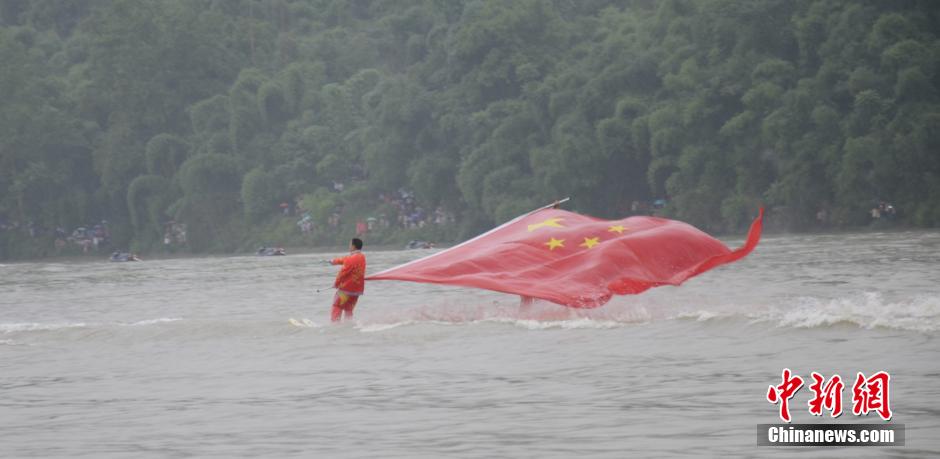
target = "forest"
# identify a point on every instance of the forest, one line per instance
(218, 126)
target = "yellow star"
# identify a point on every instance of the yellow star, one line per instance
(619, 229)
(590, 242)
(552, 243)
(552, 222)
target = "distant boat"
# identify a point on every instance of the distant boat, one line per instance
(412, 245)
(124, 256)
(271, 252)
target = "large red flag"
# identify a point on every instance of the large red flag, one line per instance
(576, 260)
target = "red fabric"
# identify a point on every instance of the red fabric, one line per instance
(351, 277)
(343, 303)
(576, 260)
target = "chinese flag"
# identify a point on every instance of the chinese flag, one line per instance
(576, 260)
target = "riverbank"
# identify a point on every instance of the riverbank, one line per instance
(43, 248)
(233, 238)
(76, 255)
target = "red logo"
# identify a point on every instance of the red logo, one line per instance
(871, 395)
(868, 394)
(828, 396)
(784, 392)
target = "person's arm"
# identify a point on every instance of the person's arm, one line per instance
(338, 261)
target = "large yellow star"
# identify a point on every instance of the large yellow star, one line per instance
(619, 229)
(552, 222)
(590, 242)
(552, 243)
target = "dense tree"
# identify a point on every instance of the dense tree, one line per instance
(214, 112)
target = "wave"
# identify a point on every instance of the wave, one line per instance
(542, 316)
(867, 310)
(35, 326)
(529, 324)
(161, 320)
(864, 310)
(162, 328)
(54, 326)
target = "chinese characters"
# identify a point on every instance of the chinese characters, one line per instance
(869, 394)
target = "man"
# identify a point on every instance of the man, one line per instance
(350, 282)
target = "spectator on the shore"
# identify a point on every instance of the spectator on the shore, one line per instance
(174, 234)
(409, 214)
(890, 213)
(822, 216)
(306, 223)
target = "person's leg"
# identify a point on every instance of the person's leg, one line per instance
(335, 314)
(349, 306)
(339, 300)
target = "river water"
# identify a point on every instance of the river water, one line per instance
(196, 358)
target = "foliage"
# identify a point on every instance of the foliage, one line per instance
(213, 112)
(259, 194)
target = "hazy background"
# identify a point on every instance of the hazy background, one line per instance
(461, 114)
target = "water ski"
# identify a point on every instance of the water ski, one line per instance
(305, 323)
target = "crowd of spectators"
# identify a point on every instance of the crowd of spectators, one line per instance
(91, 237)
(883, 210)
(174, 235)
(411, 214)
(647, 207)
(406, 214)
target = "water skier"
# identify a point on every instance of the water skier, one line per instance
(350, 281)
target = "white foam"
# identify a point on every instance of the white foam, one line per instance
(542, 318)
(304, 322)
(35, 326)
(154, 321)
(700, 315)
(529, 324)
(866, 310)
(378, 327)
(584, 322)
(53, 326)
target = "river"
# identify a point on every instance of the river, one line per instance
(196, 357)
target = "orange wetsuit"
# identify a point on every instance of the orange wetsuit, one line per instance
(350, 284)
